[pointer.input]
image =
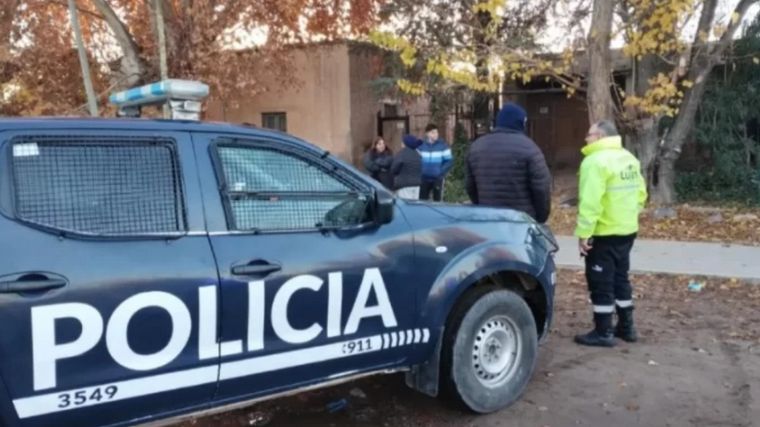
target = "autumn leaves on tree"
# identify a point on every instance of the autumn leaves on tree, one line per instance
(673, 46)
(672, 59)
(226, 44)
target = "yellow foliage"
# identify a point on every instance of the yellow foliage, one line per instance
(411, 88)
(656, 26)
(390, 41)
(661, 98)
(491, 6)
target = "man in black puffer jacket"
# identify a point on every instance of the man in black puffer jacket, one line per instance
(507, 169)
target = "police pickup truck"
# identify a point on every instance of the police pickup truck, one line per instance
(154, 269)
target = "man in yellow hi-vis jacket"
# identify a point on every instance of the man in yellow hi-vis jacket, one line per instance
(612, 192)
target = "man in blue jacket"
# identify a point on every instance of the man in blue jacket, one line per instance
(436, 163)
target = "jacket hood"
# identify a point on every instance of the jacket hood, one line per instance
(412, 141)
(608, 143)
(511, 116)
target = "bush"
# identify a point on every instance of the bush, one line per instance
(727, 128)
(455, 191)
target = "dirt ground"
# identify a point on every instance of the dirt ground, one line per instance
(698, 364)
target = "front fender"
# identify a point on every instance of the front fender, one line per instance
(463, 272)
(472, 265)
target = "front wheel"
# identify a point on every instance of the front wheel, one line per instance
(490, 350)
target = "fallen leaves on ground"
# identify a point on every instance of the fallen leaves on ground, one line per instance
(730, 307)
(690, 224)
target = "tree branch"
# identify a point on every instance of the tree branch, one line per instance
(80, 9)
(699, 72)
(740, 10)
(131, 64)
(624, 13)
(7, 16)
(705, 21)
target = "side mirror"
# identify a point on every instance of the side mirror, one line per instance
(385, 204)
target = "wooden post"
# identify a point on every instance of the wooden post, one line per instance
(92, 101)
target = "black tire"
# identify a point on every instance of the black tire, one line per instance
(498, 317)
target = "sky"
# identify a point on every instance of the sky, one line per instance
(556, 38)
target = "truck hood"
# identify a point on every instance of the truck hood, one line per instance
(470, 213)
(480, 214)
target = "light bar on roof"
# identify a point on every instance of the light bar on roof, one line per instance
(160, 92)
(183, 97)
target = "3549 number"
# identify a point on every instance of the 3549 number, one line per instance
(79, 398)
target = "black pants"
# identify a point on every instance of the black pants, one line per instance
(607, 266)
(429, 187)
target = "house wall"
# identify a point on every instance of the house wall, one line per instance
(333, 104)
(365, 106)
(318, 106)
(364, 103)
(558, 125)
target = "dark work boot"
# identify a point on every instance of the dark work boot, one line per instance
(624, 329)
(601, 336)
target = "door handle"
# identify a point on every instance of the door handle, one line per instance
(255, 269)
(37, 285)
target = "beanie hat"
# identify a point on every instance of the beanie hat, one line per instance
(511, 116)
(412, 141)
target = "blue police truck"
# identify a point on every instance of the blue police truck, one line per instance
(155, 269)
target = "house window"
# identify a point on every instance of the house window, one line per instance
(276, 121)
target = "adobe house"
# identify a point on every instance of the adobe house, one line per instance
(333, 104)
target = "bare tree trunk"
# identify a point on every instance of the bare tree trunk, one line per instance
(7, 15)
(162, 48)
(132, 66)
(644, 142)
(600, 105)
(169, 16)
(642, 135)
(664, 192)
(482, 100)
(92, 101)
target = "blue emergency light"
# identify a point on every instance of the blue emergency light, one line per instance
(183, 97)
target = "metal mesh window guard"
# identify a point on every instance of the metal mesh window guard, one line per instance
(98, 186)
(271, 190)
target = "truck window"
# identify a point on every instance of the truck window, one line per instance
(269, 190)
(98, 186)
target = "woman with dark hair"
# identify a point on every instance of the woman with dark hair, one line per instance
(378, 162)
